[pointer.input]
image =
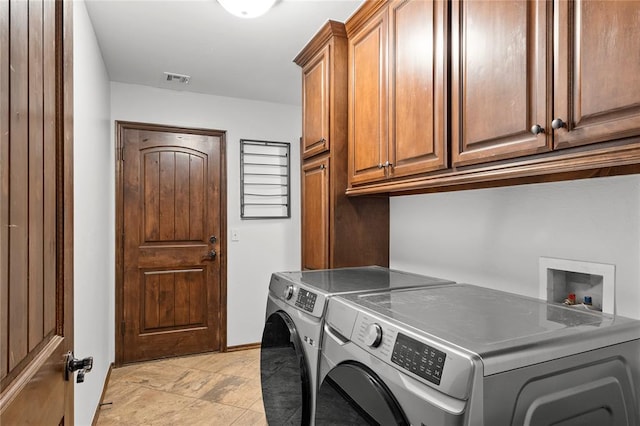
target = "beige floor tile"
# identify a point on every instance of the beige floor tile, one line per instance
(251, 418)
(229, 363)
(242, 368)
(233, 390)
(193, 383)
(146, 406)
(189, 390)
(206, 413)
(120, 372)
(119, 393)
(257, 406)
(155, 375)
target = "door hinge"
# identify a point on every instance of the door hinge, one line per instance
(122, 327)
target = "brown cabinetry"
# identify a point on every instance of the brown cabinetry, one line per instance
(597, 71)
(315, 213)
(529, 79)
(397, 88)
(538, 91)
(315, 104)
(337, 231)
(499, 79)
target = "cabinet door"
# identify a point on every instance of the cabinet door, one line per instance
(500, 79)
(417, 87)
(315, 214)
(368, 101)
(315, 104)
(597, 71)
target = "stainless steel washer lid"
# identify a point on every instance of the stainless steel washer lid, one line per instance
(350, 280)
(506, 330)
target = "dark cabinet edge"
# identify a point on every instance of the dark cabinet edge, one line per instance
(611, 160)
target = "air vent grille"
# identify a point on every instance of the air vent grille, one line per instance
(177, 78)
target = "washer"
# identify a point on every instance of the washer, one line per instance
(467, 355)
(292, 334)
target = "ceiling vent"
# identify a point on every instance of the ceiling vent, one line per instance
(177, 78)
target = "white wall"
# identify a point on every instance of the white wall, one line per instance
(494, 237)
(264, 246)
(93, 215)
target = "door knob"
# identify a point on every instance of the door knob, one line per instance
(82, 366)
(213, 239)
(211, 255)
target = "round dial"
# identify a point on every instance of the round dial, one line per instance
(373, 335)
(288, 292)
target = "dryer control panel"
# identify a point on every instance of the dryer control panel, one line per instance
(306, 300)
(293, 294)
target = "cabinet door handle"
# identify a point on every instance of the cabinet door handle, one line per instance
(380, 165)
(558, 123)
(322, 167)
(537, 129)
(387, 164)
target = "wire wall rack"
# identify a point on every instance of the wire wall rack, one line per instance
(265, 179)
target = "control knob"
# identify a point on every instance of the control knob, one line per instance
(288, 292)
(373, 335)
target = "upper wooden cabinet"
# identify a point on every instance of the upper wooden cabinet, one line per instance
(315, 101)
(597, 71)
(368, 138)
(464, 94)
(417, 87)
(397, 90)
(499, 79)
(324, 82)
(337, 231)
(527, 78)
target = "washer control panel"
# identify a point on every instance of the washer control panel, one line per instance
(306, 300)
(417, 354)
(418, 358)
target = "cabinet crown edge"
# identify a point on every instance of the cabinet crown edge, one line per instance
(363, 14)
(319, 40)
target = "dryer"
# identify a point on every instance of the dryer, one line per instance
(467, 355)
(292, 335)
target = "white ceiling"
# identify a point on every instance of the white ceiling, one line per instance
(223, 54)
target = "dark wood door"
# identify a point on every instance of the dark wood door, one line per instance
(368, 134)
(499, 79)
(173, 239)
(417, 87)
(36, 209)
(597, 71)
(315, 104)
(315, 213)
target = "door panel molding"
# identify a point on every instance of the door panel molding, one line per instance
(159, 322)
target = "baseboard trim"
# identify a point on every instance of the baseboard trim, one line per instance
(243, 347)
(96, 415)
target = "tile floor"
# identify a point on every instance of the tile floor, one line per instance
(209, 389)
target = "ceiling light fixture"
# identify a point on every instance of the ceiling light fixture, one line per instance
(247, 8)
